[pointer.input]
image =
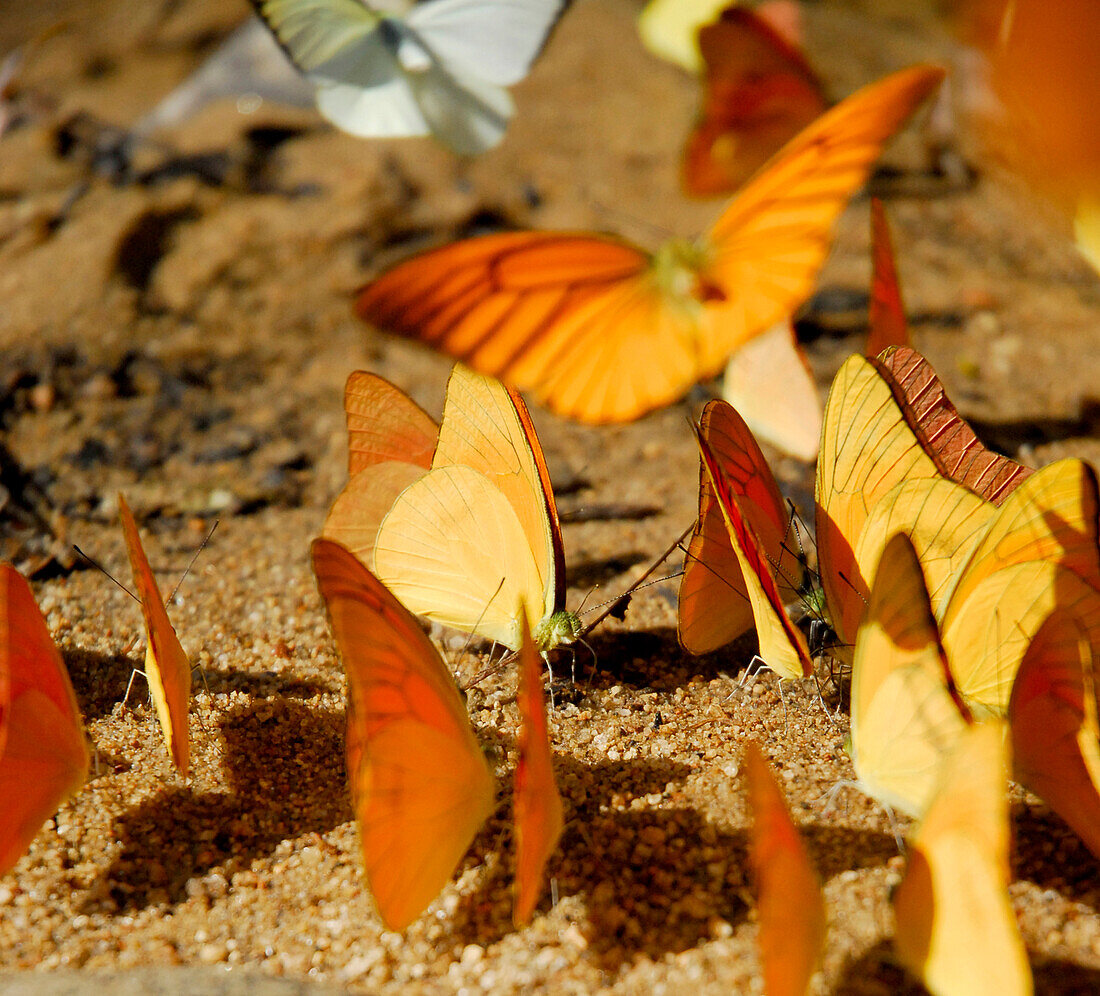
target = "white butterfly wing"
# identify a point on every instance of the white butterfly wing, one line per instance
(315, 31)
(491, 40)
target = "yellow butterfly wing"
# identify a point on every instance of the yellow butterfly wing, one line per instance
(537, 805)
(167, 669)
(906, 716)
(764, 252)
(357, 514)
(1039, 553)
(714, 606)
(782, 646)
(768, 367)
(43, 753)
(956, 929)
(452, 548)
(419, 781)
(791, 911)
(1052, 715)
(867, 449)
(488, 428)
(944, 521)
(670, 29)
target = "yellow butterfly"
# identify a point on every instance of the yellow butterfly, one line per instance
(468, 537)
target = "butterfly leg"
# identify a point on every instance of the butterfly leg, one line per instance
(550, 677)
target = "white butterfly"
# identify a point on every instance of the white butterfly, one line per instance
(439, 67)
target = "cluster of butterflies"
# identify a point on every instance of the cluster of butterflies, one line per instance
(962, 588)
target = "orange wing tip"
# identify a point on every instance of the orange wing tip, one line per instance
(888, 324)
(538, 806)
(43, 752)
(792, 918)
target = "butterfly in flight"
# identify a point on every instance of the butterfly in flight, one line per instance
(440, 67)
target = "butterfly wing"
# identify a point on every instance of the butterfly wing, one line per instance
(906, 714)
(385, 424)
(1039, 553)
(43, 753)
(391, 440)
(575, 319)
(1052, 716)
(492, 40)
(357, 514)
(782, 645)
(488, 428)
(538, 809)
(956, 929)
(867, 449)
(768, 367)
(766, 248)
(791, 911)
(419, 781)
(944, 521)
(714, 606)
(452, 548)
(942, 432)
(759, 92)
(888, 324)
(670, 28)
(167, 669)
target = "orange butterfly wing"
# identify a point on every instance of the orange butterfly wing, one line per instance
(714, 606)
(791, 909)
(167, 669)
(385, 424)
(600, 331)
(537, 805)
(419, 781)
(1052, 716)
(43, 753)
(391, 440)
(888, 325)
(759, 92)
(782, 646)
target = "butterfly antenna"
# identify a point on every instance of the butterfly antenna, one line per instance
(637, 584)
(103, 570)
(658, 232)
(191, 563)
(492, 669)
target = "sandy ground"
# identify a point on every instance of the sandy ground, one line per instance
(184, 336)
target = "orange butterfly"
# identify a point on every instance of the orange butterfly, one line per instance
(166, 666)
(419, 781)
(791, 909)
(459, 521)
(759, 92)
(602, 331)
(43, 753)
(714, 604)
(783, 647)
